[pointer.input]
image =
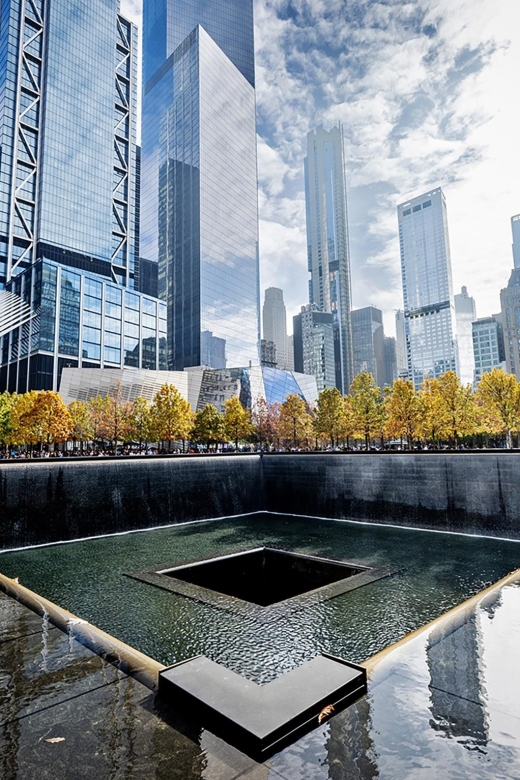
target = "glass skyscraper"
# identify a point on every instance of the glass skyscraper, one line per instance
(327, 241)
(68, 81)
(429, 308)
(199, 216)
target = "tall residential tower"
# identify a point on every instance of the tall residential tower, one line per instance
(199, 217)
(429, 308)
(327, 241)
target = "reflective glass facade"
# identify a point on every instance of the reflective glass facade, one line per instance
(81, 320)
(199, 217)
(429, 308)
(167, 23)
(199, 386)
(488, 346)
(327, 241)
(68, 75)
(368, 337)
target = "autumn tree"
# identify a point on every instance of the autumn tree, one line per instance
(349, 422)
(171, 415)
(295, 420)
(237, 421)
(23, 424)
(7, 403)
(456, 408)
(209, 426)
(265, 418)
(49, 418)
(430, 424)
(367, 406)
(99, 409)
(403, 411)
(499, 396)
(82, 427)
(330, 415)
(115, 417)
(140, 420)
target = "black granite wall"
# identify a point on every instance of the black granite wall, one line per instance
(469, 492)
(57, 500)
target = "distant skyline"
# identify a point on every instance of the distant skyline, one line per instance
(425, 91)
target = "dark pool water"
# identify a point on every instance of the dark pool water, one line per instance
(439, 571)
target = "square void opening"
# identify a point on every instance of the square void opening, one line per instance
(263, 576)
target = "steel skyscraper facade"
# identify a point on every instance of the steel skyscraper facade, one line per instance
(429, 308)
(68, 88)
(327, 241)
(199, 218)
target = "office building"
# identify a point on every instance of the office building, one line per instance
(488, 346)
(368, 339)
(390, 360)
(314, 345)
(327, 242)
(400, 346)
(515, 229)
(429, 308)
(274, 321)
(68, 196)
(199, 213)
(465, 315)
(510, 319)
(268, 354)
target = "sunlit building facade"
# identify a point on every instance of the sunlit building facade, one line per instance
(199, 217)
(327, 241)
(429, 309)
(465, 315)
(68, 194)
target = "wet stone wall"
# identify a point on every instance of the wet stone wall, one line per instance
(469, 492)
(58, 500)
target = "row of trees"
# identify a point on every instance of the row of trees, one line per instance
(443, 411)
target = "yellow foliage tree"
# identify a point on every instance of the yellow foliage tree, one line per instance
(48, 418)
(367, 406)
(295, 420)
(140, 420)
(209, 426)
(499, 397)
(403, 411)
(330, 417)
(82, 427)
(237, 421)
(171, 415)
(456, 407)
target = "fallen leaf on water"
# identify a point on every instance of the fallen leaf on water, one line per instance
(55, 739)
(326, 711)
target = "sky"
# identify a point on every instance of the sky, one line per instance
(427, 93)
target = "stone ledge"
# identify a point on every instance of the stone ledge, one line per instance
(260, 719)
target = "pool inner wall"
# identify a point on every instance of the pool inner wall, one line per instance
(57, 500)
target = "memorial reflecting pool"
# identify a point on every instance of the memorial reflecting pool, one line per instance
(435, 572)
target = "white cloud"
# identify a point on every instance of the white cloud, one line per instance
(426, 91)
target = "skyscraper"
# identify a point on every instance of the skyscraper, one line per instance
(429, 308)
(68, 211)
(510, 316)
(314, 345)
(327, 241)
(368, 339)
(400, 345)
(274, 321)
(465, 315)
(199, 218)
(488, 346)
(515, 229)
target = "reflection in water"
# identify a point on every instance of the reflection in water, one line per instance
(350, 746)
(456, 681)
